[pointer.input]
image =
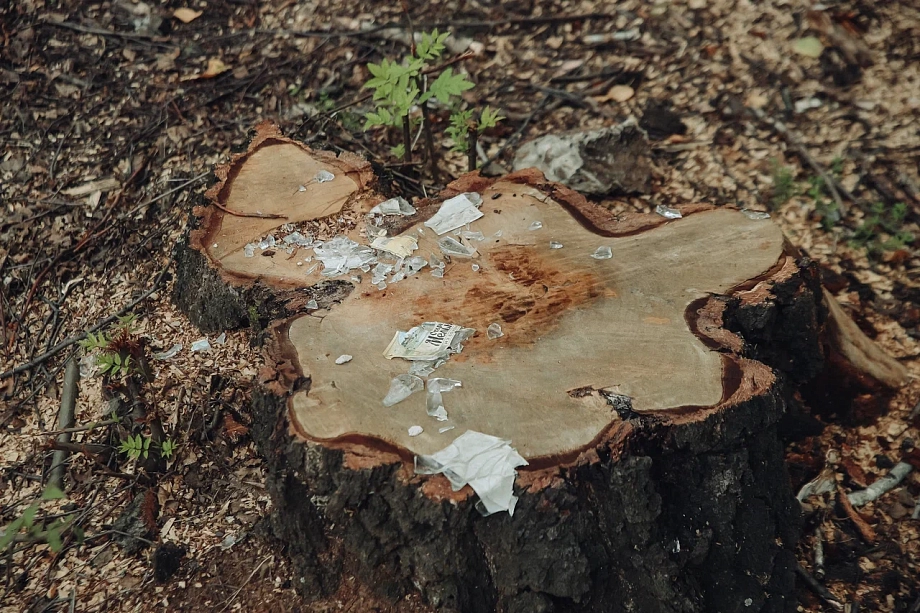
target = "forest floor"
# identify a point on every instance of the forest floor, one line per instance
(114, 115)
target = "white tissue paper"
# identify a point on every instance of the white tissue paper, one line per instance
(487, 463)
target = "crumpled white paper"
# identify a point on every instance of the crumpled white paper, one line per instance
(485, 462)
(455, 212)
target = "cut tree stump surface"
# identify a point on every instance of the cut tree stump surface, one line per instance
(644, 390)
(573, 326)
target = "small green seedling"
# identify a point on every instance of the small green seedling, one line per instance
(168, 448)
(30, 528)
(136, 447)
(398, 87)
(784, 187)
(882, 230)
(113, 350)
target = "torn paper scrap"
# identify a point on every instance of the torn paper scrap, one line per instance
(484, 462)
(430, 341)
(455, 212)
(400, 246)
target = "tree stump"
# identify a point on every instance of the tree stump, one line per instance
(654, 478)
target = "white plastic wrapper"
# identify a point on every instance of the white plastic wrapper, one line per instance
(484, 462)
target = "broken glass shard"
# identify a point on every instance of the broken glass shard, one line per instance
(201, 344)
(445, 429)
(415, 430)
(472, 236)
(381, 285)
(165, 355)
(401, 387)
(267, 243)
(441, 384)
(555, 245)
(602, 253)
(423, 368)
(312, 268)
(498, 234)
(394, 206)
(487, 463)
(298, 239)
(311, 304)
(667, 212)
(536, 225)
(453, 248)
(222, 339)
(249, 250)
(323, 176)
(342, 254)
(435, 404)
(415, 264)
(437, 273)
(456, 212)
(475, 267)
(343, 359)
(755, 214)
(494, 331)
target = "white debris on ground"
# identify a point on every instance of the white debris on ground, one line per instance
(484, 462)
(394, 206)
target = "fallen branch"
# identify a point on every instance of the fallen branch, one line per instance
(819, 554)
(862, 526)
(822, 592)
(65, 420)
(90, 426)
(883, 485)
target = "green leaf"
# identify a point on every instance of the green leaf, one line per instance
(448, 84)
(432, 45)
(28, 516)
(489, 119)
(399, 151)
(53, 536)
(10, 532)
(52, 492)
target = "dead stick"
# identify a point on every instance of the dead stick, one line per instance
(90, 426)
(65, 420)
(819, 554)
(862, 526)
(883, 485)
(817, 588)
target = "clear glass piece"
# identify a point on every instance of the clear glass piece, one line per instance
(602, 253)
